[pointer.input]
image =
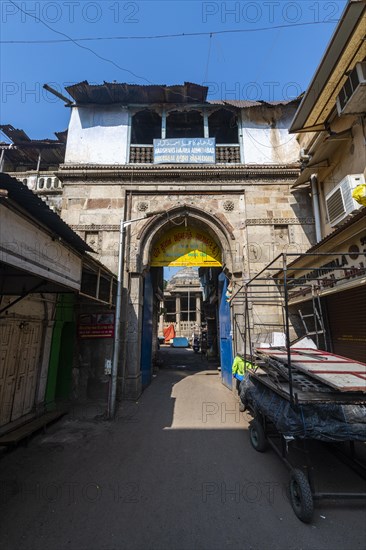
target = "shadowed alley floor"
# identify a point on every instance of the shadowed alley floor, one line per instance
(174, 471)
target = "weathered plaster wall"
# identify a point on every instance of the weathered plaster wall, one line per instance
(100, 135)
(265, 137)
(349, 158)
(97, 135)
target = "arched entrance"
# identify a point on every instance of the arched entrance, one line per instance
(185, 236)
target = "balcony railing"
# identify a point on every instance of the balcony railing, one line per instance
(225, 154)
(228, 154)
(39, 182)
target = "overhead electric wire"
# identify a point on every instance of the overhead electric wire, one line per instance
(69, 39)
(155, 37)
(208, 59)
(76, 41)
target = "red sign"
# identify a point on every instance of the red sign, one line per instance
(96, 325)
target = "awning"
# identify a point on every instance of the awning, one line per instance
(322, 155)
(345, 49)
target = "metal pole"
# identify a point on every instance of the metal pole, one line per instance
(287, 328)
(39, 161)
(189, 299)
(117, 324)
(2, 160)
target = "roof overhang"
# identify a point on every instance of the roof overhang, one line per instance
(36, 212)
(125, 94)
(334, 243)
(321, 160)
(346, 48)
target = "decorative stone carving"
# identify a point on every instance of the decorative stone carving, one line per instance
(142, 206)
(228, 206)
(105, 227)
(94, 240)
(280, 221)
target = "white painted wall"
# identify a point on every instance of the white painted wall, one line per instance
(97, 135)
(265, 136)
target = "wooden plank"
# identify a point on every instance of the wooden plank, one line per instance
(13, 437)
(309, 397)
(308, 355)
(341, 379)
(338, 372)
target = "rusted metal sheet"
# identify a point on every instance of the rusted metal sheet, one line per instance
(338, 372)
(119, 92)
(115, 92)
(247, 103)
(26, 150)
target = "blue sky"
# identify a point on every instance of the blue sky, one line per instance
(273, 64)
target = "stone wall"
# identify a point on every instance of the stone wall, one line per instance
(253, 219)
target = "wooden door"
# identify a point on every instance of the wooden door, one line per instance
(20, 349)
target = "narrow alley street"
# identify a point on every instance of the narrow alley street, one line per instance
(174, 471)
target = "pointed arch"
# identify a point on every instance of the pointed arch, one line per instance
(219, 229)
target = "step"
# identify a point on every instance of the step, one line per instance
(13, 437)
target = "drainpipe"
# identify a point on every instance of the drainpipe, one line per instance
(316, 208)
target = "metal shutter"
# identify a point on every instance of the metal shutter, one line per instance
(347, 322)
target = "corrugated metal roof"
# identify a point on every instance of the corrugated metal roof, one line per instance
(239, 103)
(114, 92)
(39, 210)
(246, 103)
(329, 77)
(15, 135)
(19, 137)
(26, 150)
(62, 136)
(353, 219)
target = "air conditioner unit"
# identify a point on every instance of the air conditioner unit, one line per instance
(352, 97)
(339, 202)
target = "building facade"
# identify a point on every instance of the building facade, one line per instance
(234, 211)
(330, 123)
(182, 304)
(34, 162)
(45, 281)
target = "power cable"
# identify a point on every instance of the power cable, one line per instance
(69, 39)
(208, 59)
(157, 37)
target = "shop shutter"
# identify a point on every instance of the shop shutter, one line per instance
(347, 322)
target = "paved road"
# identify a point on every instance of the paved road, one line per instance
(175, 471)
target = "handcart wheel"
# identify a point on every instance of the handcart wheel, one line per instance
(301, 496)
(257, 436)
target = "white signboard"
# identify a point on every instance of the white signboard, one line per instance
(185, 150)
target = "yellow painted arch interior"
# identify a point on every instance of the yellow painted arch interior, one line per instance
(186, 246)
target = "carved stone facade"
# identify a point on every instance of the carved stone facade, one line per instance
(265, 217)
(240, 198)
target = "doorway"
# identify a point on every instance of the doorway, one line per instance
(184, 295)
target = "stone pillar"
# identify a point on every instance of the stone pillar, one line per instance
(198, 310)
(161, 321)
(132, 369)
(177, 314)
